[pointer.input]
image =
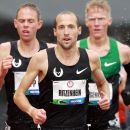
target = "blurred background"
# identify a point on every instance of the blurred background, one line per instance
(120, 28)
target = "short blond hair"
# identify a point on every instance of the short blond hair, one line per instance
(98, 3)
(31, 6)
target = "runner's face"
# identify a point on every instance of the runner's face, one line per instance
(97, 21)
(27, 23)
(67, 30)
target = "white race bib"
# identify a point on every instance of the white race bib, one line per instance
(94, 95)
(33, 90)
(69, 92)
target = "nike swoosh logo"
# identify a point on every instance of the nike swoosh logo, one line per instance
(81, 71)
(109, 64)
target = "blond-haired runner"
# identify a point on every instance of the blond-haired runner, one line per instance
(112, 55)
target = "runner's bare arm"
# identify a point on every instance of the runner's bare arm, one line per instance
(20, 99)
(100, 80)
(5, 61)
(124, 51)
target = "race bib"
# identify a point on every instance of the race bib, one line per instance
(33, 90)
(69, 92)
(94, 95)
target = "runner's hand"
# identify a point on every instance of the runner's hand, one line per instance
(6, 64)
(104, 102)
(38, 115)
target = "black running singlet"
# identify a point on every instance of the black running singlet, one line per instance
(12, 81)
(64, 92)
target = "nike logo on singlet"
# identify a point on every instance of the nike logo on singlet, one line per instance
(109, 64)
(81, 71)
